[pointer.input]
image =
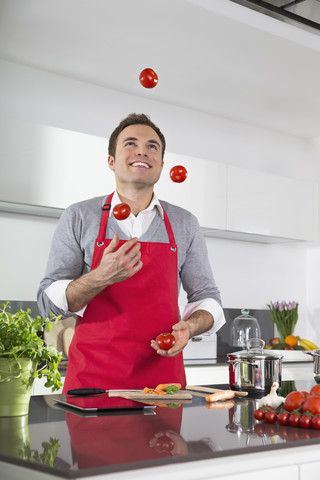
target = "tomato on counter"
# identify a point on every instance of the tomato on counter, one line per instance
(315, 390)
(312, 405)
(294, 401)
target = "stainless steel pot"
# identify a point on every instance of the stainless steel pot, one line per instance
(254, 370)
(316, 363)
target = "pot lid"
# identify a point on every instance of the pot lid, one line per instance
(255, 350)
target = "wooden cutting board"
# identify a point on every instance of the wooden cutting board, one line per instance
(139, 394)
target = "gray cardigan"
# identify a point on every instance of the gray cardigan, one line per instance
(73, 244)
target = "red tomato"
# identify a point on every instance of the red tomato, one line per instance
(165, 341)
(305, 421)
(178, 174)
(315, 422)
(259, 414)
(312, 405)
(121, 211)
(306, 394)
(315, 390)
(148, 78)
(294, 420)
(283, 418)
(293, 401)
(270, 417)
(164, 444)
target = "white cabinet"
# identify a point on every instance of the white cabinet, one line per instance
(202, 193)
(265, 204)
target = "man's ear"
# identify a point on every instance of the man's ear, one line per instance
(111, 162)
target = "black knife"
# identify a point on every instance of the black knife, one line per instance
(86, 391)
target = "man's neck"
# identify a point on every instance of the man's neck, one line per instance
(137, 200)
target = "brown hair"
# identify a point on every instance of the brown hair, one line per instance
(134, 119)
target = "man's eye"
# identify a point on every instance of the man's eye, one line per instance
(153, 146)
(129, 144)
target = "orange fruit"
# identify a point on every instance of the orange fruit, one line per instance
(291, 340)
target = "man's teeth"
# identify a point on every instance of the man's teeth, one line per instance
(140, 164)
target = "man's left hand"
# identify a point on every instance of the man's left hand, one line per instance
(181, 333)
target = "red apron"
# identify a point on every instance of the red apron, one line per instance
(111, 344)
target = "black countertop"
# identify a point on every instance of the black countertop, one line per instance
(72, 445)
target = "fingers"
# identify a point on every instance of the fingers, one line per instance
(113, 244)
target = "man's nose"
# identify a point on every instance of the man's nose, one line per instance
(142, 151)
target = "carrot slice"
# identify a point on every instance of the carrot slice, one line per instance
(163, 386)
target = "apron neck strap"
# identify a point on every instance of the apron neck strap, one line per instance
(104, 219)
(105, 216)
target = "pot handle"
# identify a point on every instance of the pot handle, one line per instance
(234, 363)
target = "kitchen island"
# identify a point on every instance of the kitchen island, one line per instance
(187, 441)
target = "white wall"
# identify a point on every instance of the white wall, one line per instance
(248, 274)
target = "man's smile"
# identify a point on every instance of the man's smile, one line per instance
(140, 164)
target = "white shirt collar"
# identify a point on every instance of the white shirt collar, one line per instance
(153, 204)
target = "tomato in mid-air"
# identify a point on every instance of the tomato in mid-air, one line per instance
(312, 405)
(283, 418)
(270, 417)
(164, 444)
(121, 211)
(293, 401)
(259, 414)
(178, 174)
(294, 420)
(315, 390)
(165, 341)
(148, 78)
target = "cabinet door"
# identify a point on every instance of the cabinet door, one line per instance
(265, 204)
(203, 192)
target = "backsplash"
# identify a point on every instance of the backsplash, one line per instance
(223, 335)
(15, 305)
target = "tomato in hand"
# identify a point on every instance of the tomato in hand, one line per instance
(315, 390)
(283, 418)
(294, 401)
(164, 444)
(294, 420)
(148, 78)
(121, 211)
(305, 421)
(165, 341)
(312, 405)
(259, 414)
(270, 417)
(178, 174)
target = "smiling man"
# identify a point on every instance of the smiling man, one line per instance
(122, 277)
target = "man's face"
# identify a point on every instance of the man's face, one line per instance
(138, 157)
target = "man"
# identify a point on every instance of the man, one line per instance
(122, 278)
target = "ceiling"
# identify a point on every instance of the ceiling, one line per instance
(218, 58)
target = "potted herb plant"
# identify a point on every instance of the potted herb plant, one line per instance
(24, 356)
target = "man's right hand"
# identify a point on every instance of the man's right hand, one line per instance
(116, 265)
(119, 264)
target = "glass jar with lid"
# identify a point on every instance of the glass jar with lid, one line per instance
(244, 327)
